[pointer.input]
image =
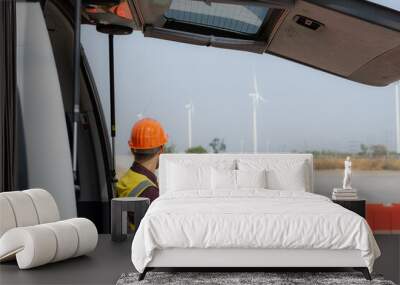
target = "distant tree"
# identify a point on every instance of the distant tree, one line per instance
(217, 145)
(379, 150)
(364, 149)
(196, 149)
(170, 148)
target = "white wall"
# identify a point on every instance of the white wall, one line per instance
(48, 156)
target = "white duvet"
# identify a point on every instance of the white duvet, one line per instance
(250, 219)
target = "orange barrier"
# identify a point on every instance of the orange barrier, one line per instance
(384, 219)
(396, 218)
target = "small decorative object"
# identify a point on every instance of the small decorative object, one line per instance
(346, 192)
(347, 174)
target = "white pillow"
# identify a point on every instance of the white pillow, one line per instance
(223, 179)
(282, 174)
(292, 178)
(251, 178)
(188, 177)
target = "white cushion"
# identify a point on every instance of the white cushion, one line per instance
(282, 174)
(27, 208)
(33, 246)
(67, 239)
(87, 233)
(292, 178)
(7, 218)
(251, 178)
(223, 179)
(23, 208)
(197, 166)
(45, 205)
(270, 162)
(40, 244)
(185, 177)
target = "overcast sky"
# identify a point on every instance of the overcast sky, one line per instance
(305, 108)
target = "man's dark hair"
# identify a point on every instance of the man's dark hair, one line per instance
(142, 155)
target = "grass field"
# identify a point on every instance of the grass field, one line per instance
(359, 163)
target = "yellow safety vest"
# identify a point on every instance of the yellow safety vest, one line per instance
(132, 184)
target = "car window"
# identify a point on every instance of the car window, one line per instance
(246, 19)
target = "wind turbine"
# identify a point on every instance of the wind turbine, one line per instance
(256, 97)
(398, 117)
(190, 110)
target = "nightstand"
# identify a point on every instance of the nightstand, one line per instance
(120, 207)
(357, 206)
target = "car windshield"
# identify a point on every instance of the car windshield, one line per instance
(244, 19)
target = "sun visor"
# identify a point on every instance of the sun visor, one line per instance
(339, 43)
(205, 40)
(380, 71)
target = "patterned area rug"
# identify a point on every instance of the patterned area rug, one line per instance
(269, 278)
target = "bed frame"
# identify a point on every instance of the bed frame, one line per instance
(234, 259)
(245, 259)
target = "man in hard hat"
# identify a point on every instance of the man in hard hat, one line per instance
(146, 143)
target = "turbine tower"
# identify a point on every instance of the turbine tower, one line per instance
(256, 98)
(190, 109)
(398, 117)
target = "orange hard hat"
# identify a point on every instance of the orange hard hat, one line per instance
(147, 133)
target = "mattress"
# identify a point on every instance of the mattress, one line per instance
(250, 219)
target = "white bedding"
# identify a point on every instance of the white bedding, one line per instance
(250, 218)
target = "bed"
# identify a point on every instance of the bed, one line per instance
(247, 211)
